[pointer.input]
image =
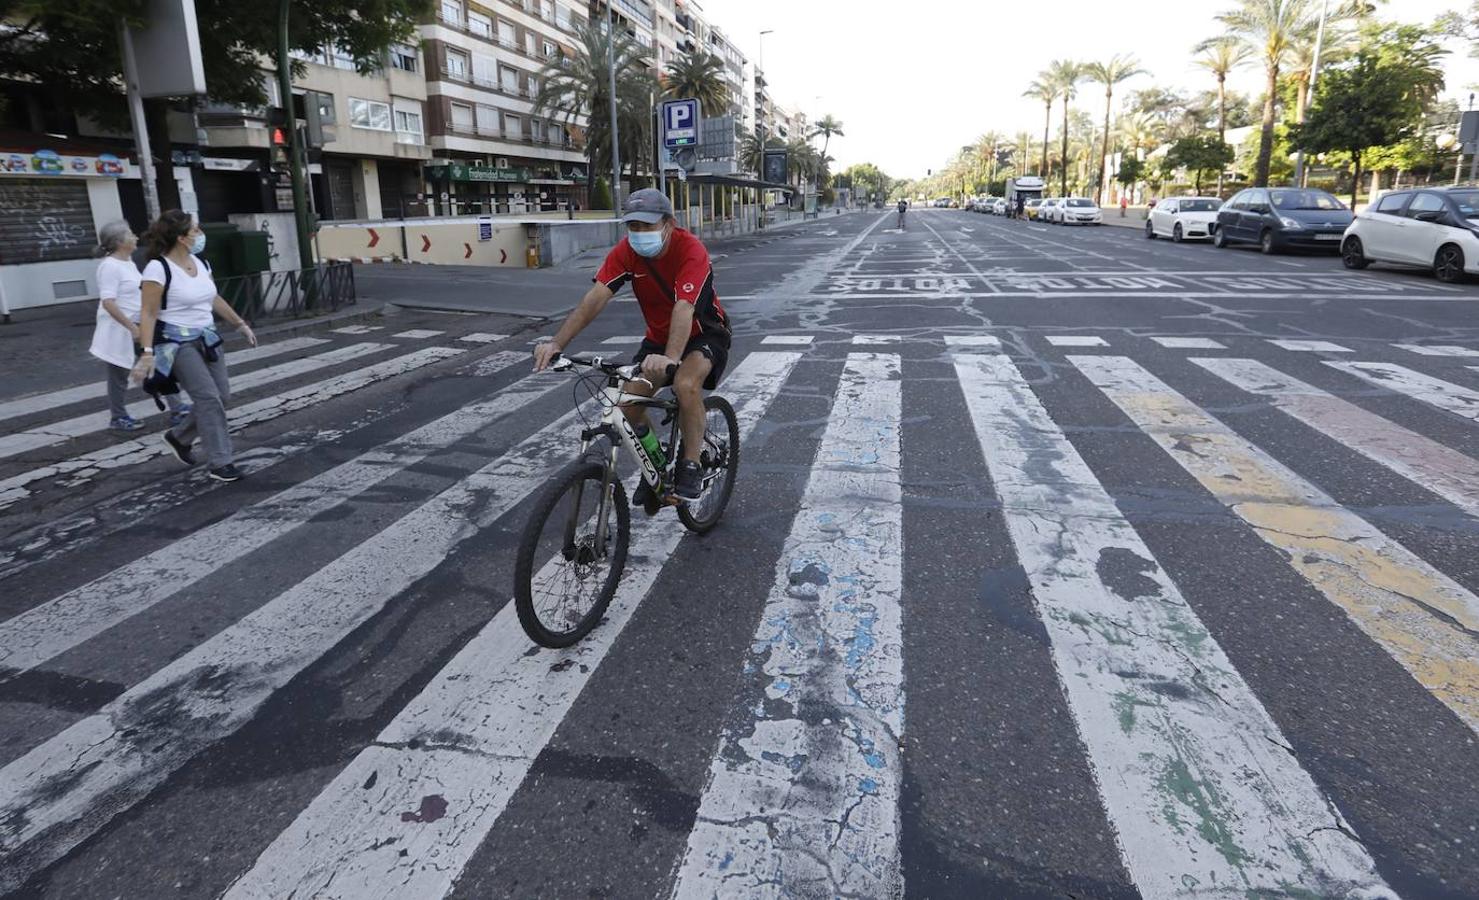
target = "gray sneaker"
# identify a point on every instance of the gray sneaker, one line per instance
(688, 485)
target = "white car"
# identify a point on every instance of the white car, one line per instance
(1078, 211)
(1048, 212)
(1183, 218)
(1435, 229)
(999, 207)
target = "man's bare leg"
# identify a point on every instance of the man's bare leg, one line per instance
(688, 386)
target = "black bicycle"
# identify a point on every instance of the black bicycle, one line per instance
(574, 547)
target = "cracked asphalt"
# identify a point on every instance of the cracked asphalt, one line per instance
(1104, 566)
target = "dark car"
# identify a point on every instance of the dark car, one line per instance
(1283, 218)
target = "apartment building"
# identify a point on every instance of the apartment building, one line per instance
(369, 166)
(492, 153)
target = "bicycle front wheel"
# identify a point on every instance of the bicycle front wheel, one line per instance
(720, 460)
(568, 565)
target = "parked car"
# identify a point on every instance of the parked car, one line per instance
(1048, 212)
(1183, 218)
(1079, 211)
(1435, 229)
(1282, 218)
(1033, 208)
(999, 206)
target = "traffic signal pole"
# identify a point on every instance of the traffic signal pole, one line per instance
(295, 144)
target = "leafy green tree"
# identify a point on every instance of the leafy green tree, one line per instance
(1270, 29)
(698, 76)
(1359, 106)
(600, 195)
(1197, 155)
(1065, 75)
(73, 49)
(1221, 56)
(1132, 169)
(1110, 73)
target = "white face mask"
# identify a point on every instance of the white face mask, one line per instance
(647, 243)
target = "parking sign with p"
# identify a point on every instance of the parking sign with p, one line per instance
(679, 123)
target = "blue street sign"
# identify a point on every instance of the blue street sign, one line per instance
(679, 123)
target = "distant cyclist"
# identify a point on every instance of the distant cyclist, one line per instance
(670, 273)
(903, 207)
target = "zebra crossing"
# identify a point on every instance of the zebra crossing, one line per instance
(806, 771)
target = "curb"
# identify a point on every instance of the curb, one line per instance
(298, 326)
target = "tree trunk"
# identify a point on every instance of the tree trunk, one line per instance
(1063, 176)
(1266, 133)
(1103, 150)
(1355, 178)
(1221, 124)
(1047, 123)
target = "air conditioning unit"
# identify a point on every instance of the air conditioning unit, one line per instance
(502, 162)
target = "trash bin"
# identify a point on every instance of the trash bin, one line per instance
(222, 249)
(255, 253)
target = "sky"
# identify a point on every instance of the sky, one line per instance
(913, 81)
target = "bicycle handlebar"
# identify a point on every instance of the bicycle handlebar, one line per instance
(627, 372)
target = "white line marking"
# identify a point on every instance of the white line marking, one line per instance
(1074, 340)
(804, 797)
(1445, 395)
(1195, 776)
(1422, 618)
(875, 339)
(1442, 470)
(129, 453)
(972, 340)
(91, 423)
(1188, 343)
(1438, 350)
(113, 759)
(418, 333)
(40, 633)
(471, 735)
(627, 340)
(1310, 346)
(791, 340)
(483, 337)
(356, 329)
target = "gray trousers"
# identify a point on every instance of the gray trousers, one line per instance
(209, 391)
(118, 392)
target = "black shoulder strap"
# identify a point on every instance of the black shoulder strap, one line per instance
(168, 276)
(663, 282)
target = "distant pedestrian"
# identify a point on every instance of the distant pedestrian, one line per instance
(180, 344)
(116, 334)
(1124, 204)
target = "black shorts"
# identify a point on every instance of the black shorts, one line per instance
(714, 345)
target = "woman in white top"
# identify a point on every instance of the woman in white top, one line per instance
(117, 329)
(181, 317)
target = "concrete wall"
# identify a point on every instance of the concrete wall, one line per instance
(559, 241)
(438, 241)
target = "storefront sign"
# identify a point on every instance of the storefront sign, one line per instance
(461, 172)
(49, 162)
(227, 164)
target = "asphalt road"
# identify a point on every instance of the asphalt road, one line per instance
(1063, 563)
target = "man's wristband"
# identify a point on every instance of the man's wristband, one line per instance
(148, 351)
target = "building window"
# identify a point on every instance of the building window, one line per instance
(508, 79)
(457, 63)
(338, 58)
(462, 121)
(479, 24)
(487, 121)
(484, 70)
(408, 126)
(452, 12)
(549, 49)
(533, 86)
(506, 35)
(513, 127)
(403, 57)
(370, 114)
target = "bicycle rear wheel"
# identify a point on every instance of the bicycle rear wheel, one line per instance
(565, 576)
(720, 459)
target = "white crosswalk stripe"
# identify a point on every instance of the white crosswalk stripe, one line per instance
(483, 337)
(1438, 349)
(1116, 655)
(816, 802)
(494, 707)
(418, 333)
(804, 794)
(356, 329)
(1445, 395)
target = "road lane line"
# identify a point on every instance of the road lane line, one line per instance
(1421, 617)
(1445, 395)
(471, 735)
(126, 453)
(35, 403)
(1442, 470)
(1438, 350)
(29, 639)
(793, 340)
(91, 423)
(68, 787)
(1196, 777)
(1075, 340)
(1188, 343)
(803, 798)
(972, 340)
(1310, 346)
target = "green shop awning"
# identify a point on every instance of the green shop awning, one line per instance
(462, 172)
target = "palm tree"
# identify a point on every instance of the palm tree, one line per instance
(1221, 56)
(1117, 69)
(1065, 74)
(575, 85)
(1270, 29)
(698, 76)
(1043, 91)
(827, 127)
(1021, 152)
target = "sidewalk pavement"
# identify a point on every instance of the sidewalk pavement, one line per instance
(1134, 217)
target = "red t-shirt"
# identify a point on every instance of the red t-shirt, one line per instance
(684, 266)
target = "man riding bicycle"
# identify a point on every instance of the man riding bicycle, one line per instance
(671, 275)
(903, 206)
